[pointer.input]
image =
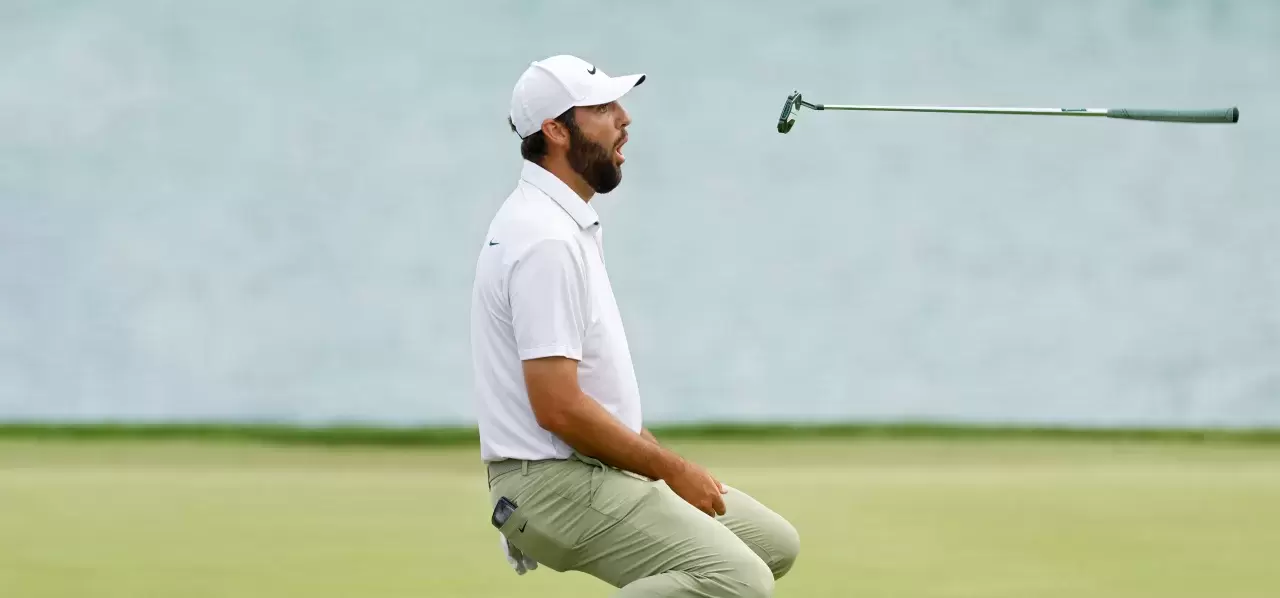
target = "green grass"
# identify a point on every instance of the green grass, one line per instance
(891, 518)
(466, 436)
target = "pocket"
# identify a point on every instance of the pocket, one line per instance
(620, 491)
(538, 541)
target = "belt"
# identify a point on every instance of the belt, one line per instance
(497, 468)
(504, 466)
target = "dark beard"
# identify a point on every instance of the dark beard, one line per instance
(593, 162)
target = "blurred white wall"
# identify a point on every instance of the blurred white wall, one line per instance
(270, 210)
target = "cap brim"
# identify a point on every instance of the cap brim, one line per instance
(612, 90)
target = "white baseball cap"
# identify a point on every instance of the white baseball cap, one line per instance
(553, 85)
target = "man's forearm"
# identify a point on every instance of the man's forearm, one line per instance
(586, 426)
(647, 435)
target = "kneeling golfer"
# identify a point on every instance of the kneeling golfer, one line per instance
(576, 482)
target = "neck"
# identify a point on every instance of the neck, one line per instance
(559, 166)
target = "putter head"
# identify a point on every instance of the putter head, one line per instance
(787, 119)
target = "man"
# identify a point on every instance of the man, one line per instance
(576, 482)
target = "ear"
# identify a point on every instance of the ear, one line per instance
(555, 132)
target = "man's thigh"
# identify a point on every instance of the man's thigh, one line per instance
(616, 527)
(655, 531)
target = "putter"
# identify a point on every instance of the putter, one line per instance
(1224, 115)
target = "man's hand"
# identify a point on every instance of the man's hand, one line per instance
(647, 435)
(697, 487)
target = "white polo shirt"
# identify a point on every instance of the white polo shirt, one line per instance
(541, 290)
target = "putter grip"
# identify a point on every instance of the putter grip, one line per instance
(1224, 115)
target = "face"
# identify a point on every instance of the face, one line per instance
(595, 145)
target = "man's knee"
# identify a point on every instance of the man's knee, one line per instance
(785, 548)
(768, 534)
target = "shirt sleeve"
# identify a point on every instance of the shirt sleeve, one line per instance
(548, 294)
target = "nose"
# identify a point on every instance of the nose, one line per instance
(624, 119)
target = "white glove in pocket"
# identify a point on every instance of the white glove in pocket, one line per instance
(518, 560)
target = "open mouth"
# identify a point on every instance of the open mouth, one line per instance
(617, 151)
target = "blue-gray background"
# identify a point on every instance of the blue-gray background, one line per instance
(249, 210)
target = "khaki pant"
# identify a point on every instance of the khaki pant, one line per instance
(638, 535)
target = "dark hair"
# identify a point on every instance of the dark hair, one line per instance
(534, 147)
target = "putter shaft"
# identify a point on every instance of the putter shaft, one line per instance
(965, 110)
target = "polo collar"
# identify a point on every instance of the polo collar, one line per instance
(556, 189)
